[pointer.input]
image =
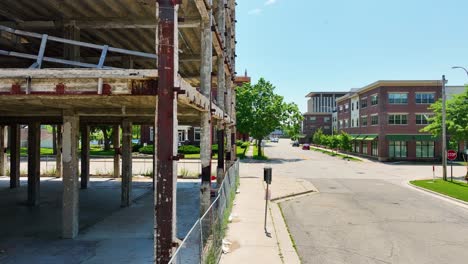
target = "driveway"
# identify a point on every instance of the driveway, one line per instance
(365, 213)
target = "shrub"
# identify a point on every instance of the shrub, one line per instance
(239, 142)
(189, 149)
(214, 148)
(146, 149)
(136, 147)
(245, 145)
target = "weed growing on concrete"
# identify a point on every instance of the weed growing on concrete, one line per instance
(289, 232)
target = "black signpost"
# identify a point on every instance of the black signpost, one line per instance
(267, 173)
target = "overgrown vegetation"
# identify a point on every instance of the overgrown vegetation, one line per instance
(257, 155)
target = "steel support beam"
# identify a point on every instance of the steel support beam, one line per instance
(165, 130)
(3, 148)
(116, 142)
(220, 171)
(15, 145)
(34, 163)
(126, 195)
(70, 200)
(84, 156)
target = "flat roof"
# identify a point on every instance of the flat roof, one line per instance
(324, 93)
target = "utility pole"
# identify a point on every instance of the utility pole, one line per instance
(444, 132)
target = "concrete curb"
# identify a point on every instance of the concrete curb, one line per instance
(291, 196)
(288, 253)
(438, 195)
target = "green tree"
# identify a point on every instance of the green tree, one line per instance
(317, 137)
(456, 120)
(345, 142)
(260, 111)
(292, 123)
(103, 133)
(334, 142)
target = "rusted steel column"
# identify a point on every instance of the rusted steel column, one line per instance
(15, 145)
(126, 163)
(70, 199)
(34, 162)
(228, 126)
(84, 156)
(116, 142)
(3, 148)
(58, 155)
(206, 68)
(165, 129)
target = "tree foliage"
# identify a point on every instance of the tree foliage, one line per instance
(456, 117)
(260, 111)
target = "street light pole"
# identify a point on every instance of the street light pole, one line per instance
(444, 131)
(459, 67)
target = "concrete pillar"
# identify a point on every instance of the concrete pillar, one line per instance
(220, 170)
(3, 148)
(70, 202)
(15, 145)
(206, 68)
(126, 163)
(116, 142)
(34, 162)
(228, 126)
(58, 156)
(84, 156)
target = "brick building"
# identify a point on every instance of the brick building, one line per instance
(320, 106)
(385, 119)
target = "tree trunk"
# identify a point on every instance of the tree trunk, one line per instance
(259, 146)
(107, 139)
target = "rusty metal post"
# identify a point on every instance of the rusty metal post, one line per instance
(228, 126)
(165, 121)
(116, 142)
(84, 156)
(220, 171)
(3, 148)
(15, 145)
(58, 155)
(34, 162)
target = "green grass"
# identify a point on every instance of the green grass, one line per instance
(98, 151)
(334, 154)
(44, 151)
(455, 189)
(256, 156)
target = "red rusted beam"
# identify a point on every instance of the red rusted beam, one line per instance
(165, 129)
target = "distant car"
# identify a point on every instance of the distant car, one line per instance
(306, 147)
(275, 140)
(295, 144)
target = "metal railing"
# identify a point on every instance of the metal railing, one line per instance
(44, 38)
(203, 243)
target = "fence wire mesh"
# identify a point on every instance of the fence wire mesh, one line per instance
(203, 243)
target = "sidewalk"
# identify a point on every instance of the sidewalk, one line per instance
(250, 244)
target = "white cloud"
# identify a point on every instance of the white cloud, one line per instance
(255, 11)
(270, 2)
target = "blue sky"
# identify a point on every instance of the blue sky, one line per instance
(334, 45)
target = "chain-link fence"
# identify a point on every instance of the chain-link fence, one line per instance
(203, 243)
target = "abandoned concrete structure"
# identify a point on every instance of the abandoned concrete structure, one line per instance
(79, 63)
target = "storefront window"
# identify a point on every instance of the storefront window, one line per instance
(364, 147)
(424, 149)
(398, 149)
(375, 148)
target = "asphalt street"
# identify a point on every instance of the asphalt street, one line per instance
(365, 212)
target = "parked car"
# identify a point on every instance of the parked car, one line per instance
(306, 147)
(275, 140)
(295, 144)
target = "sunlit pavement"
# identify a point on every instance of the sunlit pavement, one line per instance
(365, 213)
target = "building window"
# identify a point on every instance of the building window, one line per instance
(352, 122)
(364, 147)
(358, 147)
(357, 105)
(374, 99)
(399, 119)
(312, 119)
(363, 121)
(374, 120)
(364, 102)
(397, 98)
(352, 106)
(197, 132)
(346, 123)
(375, 148)
(422, 119)
(424, 149)
(357, 122)
(340, 109)
(425, 98)
(326, 119)
(346, 108)
(397, 149)
(341, 124)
